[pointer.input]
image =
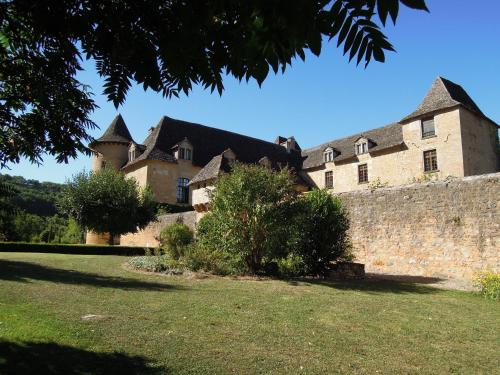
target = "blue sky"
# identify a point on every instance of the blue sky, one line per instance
(326, 98)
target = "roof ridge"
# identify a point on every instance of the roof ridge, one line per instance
(224, 131)
(363, 133)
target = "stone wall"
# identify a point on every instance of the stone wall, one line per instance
(149, 235)
(445, 229)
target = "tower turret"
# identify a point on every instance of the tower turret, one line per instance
(111, 149)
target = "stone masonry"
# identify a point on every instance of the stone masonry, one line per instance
(149, 236)
(445, 229)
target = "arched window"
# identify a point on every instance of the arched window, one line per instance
(182, 190)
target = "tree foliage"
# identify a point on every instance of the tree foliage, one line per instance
(7, 209)
(107, 202)
(33, 196)
(320, 232)
(166, 46)
(248, 210)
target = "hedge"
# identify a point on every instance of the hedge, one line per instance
(26, 247)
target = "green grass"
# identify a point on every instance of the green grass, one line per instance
(155, 324)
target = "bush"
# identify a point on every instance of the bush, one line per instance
(174, 238)
(291, 266)
(250, 208)
(320, 234)
(163, 264)
(197, 258)
(489, 284)
(26, 247)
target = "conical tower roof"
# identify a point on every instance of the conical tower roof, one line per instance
(116, 132)
(444, 94)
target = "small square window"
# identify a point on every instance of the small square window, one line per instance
(428, 128)
(430, 161)
(329, 179)
(362, 173)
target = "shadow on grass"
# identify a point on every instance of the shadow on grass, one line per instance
(26, 271)
(377, 285)
(50, 358)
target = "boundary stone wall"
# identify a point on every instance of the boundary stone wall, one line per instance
(149, 235)
(443, 229)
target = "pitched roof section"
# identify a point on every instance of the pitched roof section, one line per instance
(444, 94)
(208, 142)
(117, 131)
(383, 138)
(212, 170)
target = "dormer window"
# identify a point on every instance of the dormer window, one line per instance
(131, 153)
(183, 150)
(361, 146)
(328, 155)
(185, 153)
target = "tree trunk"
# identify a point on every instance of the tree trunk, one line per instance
(111, 239)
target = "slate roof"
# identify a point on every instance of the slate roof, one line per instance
(212, 170)
(385, 137)
(117, 131)
(444, 94)
(208, 142)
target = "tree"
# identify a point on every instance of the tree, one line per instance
(7, 210)
(107, 202)
(166, 46)
(249, 210)
(320, 234)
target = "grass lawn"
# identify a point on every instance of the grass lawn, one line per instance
(149, 324)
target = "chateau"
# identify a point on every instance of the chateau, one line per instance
(447, 135)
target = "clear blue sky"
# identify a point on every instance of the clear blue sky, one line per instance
(326, 98)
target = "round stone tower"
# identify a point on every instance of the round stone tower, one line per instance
(110, 151)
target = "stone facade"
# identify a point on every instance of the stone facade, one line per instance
(175, 154)
(149, 236)
(162, 177)
(465, 145)
(444, 229)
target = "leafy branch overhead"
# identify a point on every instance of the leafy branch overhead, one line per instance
(166, 46)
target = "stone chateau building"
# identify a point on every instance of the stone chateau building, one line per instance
(447, 135)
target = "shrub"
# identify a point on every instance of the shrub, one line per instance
(197, 258)
(250, 208)
(320, 232)
(163, 264)
(174, 238)
(489, 284)
(291, 266)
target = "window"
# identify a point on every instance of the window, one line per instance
(428, 128)
(182, 190)
(103, 163)
(328, 155)
(361, 147)
(329, 179)
(362, 173)
(430, 161)
(131, 154)
(185, 153)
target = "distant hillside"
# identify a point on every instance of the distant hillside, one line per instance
(33, 196)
